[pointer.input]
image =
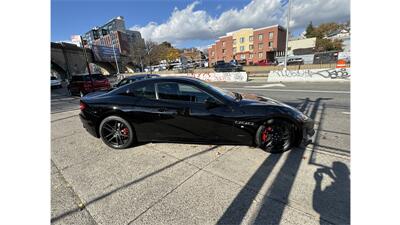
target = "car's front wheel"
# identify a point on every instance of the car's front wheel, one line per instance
(275, 136)
(116, 132)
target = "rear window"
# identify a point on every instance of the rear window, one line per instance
(80, 78)
(98, 77)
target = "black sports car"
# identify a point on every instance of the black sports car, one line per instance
(182, 109)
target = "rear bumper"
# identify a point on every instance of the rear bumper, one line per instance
(88, 125)
(308, 132)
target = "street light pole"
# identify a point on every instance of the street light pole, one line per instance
(84, 53)
(287, 34)
(115, 56)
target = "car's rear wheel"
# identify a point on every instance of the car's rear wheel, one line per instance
(275, 136)
(116, 132)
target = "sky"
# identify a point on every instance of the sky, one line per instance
(187, 23)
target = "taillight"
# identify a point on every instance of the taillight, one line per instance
(82, 106)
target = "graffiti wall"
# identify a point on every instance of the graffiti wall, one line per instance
(213, 77)
(310, 75)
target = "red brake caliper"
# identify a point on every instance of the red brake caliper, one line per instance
(125, 131)
(265, 133)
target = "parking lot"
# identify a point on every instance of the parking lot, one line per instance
(168, 183)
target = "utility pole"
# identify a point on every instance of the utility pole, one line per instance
(287, 33)
(87, 61)
(66, 61)
(115, 56)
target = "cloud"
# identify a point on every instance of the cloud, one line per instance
(190, 24)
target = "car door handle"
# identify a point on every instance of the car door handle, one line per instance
(165, 111)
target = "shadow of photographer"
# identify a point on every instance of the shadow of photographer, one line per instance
(334, 197)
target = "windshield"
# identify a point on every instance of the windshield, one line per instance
(220, 91)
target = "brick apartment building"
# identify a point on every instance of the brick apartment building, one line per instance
(113, 31)
(249, 46)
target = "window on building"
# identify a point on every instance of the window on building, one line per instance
(234, 50)
(271, 35)
(251, 47)
(260, 37)
(242, 56)
(251, 55)
(270, 44)
(223, 51)
(223, 44)
(241, 39)
(241, 48)
(212, 53)
(234, 41)
(260, 55)
(260, 46)
(251, 38)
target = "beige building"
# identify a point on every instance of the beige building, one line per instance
(305, 43)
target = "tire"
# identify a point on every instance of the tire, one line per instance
(275, 136)
(116, 136)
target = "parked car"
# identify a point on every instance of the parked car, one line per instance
(295, 61)
(264, 62)
(55, 82)
(222, 66)
(292, 61)
(189, 110)
(83, 84)
(134, 78)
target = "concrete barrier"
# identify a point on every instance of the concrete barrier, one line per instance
(213, 76)
(309, 75)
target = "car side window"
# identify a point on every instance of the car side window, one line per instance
(181, 92)
(145, 90)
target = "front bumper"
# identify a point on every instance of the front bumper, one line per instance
(308, 132)
(88, 125)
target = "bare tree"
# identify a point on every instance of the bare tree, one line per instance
(151, 53)
(137, 52)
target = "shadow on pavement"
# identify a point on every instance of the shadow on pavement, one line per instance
(132, 183)
(276, 198)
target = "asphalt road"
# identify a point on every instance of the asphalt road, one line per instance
(203, 184)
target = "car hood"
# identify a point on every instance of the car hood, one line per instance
(257, 100)
(252, 99)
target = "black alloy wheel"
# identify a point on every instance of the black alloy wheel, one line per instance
(275, 136)
(116, 132)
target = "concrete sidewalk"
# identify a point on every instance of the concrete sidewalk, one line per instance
(195, 184)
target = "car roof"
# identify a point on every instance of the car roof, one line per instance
(141, 75)
(175, 79)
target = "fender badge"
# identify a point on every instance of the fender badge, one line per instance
(244, 123)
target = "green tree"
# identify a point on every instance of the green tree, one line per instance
(320, 32)
(323, 45)
(310, 31)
